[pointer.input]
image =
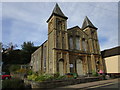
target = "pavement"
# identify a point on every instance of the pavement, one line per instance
(89, 84)
(113, 86)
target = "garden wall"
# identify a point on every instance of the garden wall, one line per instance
(59, 83)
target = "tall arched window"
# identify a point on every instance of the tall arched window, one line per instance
(44, 58)
(78, 43)
(58, 24)
(84, 44)
(71, 42)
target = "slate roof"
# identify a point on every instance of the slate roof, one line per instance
(111, 52)
(87, 23)
(58, 12)
(75, 27)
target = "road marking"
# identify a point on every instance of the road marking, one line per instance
(101, 85)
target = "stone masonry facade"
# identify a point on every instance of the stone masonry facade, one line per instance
(73, 50)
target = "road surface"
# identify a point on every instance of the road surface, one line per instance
(112, 84)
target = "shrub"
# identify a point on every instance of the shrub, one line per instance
(12, 83)
(22, 70)
(30, 72)
(45, 77)
(61, 78)
(94, 73)
(32, 77)
(72, 75)
(56, 75)
(14, 68)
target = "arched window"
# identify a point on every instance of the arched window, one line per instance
(78, 43)
(79, 67)
(58, 24)
(71, 42)
(61, 67)
(84, 44)
(44, 58)
(50, 26)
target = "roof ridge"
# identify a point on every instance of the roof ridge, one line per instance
(87, 23)
(58, 12)
(73, 27)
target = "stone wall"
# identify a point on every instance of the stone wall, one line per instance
(59, 83)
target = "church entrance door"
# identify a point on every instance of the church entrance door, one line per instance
(79, 67)
(61, 70)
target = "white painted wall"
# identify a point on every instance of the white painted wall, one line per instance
(112, 64)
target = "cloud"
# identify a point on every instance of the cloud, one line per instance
(107, 21)
(23, 31)
(102, 15)
(27, 21)
(21, 23)
(27, 12)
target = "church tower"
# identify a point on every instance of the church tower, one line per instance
(91, 31)
(57, 37)
(94, 48)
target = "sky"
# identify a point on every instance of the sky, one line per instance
(26, 21)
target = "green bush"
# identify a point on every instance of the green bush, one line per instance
(22, 70)
(13, 83)
(61, 77)
(56, 75)
(30, 72)
(44, 78)
(94, 73)
(14, 68)
(32, 77)
(47, 77)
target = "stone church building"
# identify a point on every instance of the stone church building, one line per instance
(73, 50)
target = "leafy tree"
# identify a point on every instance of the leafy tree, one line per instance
(27, 49)
(9, 47)
(14, 68)
(27, 46)
(11, 56)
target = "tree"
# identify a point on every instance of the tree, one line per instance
(27, 49)
(9, 47)
(14, 68)
(11, 56)
(27, 46)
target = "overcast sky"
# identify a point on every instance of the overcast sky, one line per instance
(26, 21)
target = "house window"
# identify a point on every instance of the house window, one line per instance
(84, 44)
(58, 24)
(44, 59)
(71, 42)
(63, 42)
(37, 64)
(78, 43)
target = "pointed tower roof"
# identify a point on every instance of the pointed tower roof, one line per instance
(57, 11)
(87, 23)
